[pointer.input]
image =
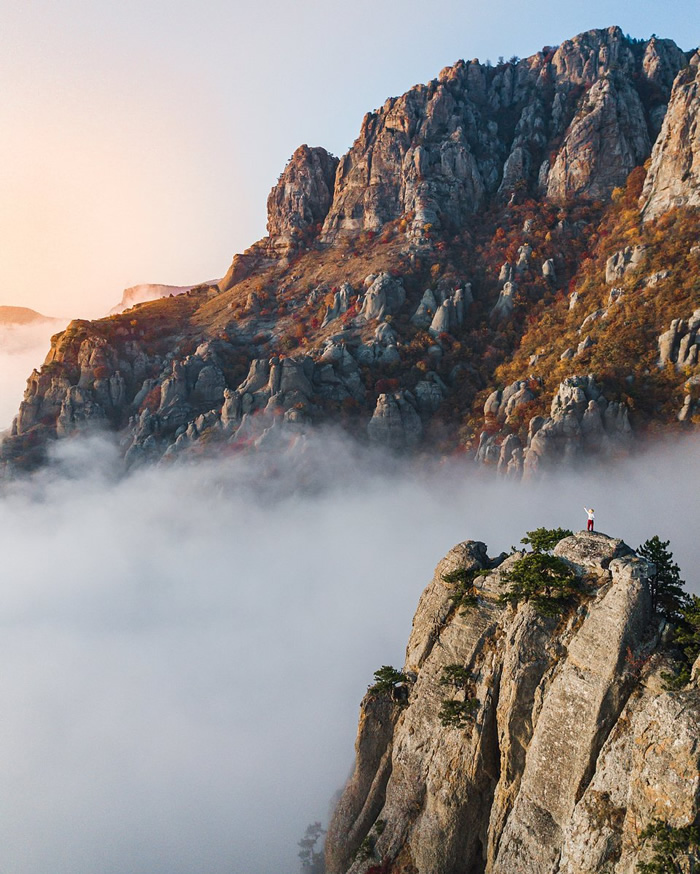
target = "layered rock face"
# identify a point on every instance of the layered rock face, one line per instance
(674, 174)
(568, 755)
(569, 122)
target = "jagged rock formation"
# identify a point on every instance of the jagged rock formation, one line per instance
(680, 345)
(303, 195)
(379, 278)
(622, 262)
(395, 422)
(674, 175)
(581, 422)
(384, 297)
(441, 150)
(570, 753)
(505, 303)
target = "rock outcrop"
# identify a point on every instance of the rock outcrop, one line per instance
(296, 208)
(384, 297)
(303, 195)
(395, 423)
(623, 262)
(581, 422)
(568, 751)
(441, 150)
(680, 345)
(674, 173)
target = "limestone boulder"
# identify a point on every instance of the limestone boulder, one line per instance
(384, 297)
(395, 422)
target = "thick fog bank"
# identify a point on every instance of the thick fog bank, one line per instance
(22, 348)
(182, 661)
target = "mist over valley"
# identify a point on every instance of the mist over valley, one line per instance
(183, 660)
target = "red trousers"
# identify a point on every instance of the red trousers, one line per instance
(590, 525)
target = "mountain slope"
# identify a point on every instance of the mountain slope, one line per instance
(10, 315)
(481, 243)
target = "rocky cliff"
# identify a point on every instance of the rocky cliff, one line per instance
(486, 268)
(674, 174)
(569, 747)
(568, 121)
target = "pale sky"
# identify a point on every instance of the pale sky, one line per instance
(139, 139)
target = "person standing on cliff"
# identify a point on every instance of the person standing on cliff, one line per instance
(591, 518)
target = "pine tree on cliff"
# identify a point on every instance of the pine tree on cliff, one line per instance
(667, 595)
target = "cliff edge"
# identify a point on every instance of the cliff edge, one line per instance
(524, 743)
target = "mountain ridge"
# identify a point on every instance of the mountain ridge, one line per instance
(400, 285)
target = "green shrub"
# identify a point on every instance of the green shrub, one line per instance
(464, 591)
(385, 679)
(457, 714)
(456, 675)
(366, 849)
(675, 849)
(545, 539)
(542, 579)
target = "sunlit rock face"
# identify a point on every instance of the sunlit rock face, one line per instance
(674, 174)
(573, 120)
(568, 754)
(303, 195)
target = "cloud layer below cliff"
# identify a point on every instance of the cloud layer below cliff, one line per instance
(184, 650)
(22, 348)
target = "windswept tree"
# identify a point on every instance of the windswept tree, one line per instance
(668, 598)
(312, 861)
(544, 580)
(675, 850)
(386, 679)
(545, 539)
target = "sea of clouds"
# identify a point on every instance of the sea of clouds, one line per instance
(184, 648)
